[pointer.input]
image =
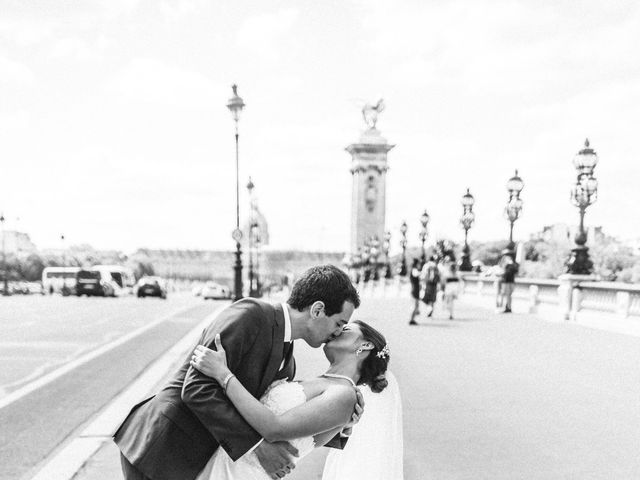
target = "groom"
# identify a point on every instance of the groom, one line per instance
(172, 435)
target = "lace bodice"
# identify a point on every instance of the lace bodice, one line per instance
(279, 397)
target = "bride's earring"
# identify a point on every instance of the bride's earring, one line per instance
(358, 351)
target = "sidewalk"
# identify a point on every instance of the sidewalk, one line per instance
(492, 396)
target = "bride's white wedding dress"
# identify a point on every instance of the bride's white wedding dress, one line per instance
(279, 397)
(375, 449)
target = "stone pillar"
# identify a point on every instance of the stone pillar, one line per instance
(368, 170)
(568, 296)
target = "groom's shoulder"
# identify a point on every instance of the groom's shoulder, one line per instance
(253, 306)
(250, 310)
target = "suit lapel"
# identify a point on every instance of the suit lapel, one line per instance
(275, 358)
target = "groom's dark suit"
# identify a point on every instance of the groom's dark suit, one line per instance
(172, 435)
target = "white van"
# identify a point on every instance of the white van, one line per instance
(54, 278)
(122, 278)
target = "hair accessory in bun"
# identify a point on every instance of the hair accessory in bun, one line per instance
(384, 352)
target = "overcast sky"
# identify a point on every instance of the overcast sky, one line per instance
(114, 128)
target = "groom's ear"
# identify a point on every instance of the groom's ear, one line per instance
(317, 308)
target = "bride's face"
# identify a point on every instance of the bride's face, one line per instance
(346, 344)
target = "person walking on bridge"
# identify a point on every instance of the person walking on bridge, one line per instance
(430, 277)
(414, 280)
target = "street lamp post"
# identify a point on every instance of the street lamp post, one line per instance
(366, 260)
(257, 240)
(374, 253)
(583, 194)
(252, 289)
(513, 208)
(424, 220)
(386, 245)
(467, 219)
(403, 245)
(5, 289)
(64, 291)
(235, 106)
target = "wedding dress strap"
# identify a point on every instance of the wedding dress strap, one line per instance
(336, 375)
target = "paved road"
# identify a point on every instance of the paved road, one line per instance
(40, 333)
(32, 427)
(491, 396)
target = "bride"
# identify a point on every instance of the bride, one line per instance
(307, 414)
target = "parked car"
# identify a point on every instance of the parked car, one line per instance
(35, 288)
(152, 287)
(92, 283)
(215, 291)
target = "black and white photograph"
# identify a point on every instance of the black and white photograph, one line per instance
(319, 240)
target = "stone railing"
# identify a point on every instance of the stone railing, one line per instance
(569, 294)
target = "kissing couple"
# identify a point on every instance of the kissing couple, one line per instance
(236, 390)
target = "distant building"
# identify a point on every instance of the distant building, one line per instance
(18, 243)
(273, 266)
(563, 233)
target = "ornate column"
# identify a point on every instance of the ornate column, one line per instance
(368, 170)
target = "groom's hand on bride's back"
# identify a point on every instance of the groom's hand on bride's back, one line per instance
(358, 410)
(276, 458)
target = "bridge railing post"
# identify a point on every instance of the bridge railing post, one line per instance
(576, 302)
(623, 303)
(534, 298)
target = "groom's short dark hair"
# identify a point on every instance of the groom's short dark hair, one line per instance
(325, 283)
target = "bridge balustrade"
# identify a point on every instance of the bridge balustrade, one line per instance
(613, 297)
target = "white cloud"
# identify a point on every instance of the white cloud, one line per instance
(15, 73)
(156, 82)
(176, 9)
(261, 33)
(74, 48)
(26, 31)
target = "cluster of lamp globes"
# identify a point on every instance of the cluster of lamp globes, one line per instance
(583, 194)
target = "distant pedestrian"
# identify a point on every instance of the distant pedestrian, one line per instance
(509, 272)
(450, 281)
(430, 277)
(414, 280)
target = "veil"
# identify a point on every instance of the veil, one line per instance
(375, 449)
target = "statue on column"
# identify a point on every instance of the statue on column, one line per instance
(370, 113)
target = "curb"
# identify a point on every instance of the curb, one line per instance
(66, 463)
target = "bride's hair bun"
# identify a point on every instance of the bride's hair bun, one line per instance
(379, 383)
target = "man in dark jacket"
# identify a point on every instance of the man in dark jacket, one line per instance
(172, 435)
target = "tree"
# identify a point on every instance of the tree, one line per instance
(143, 269)
(32, 267)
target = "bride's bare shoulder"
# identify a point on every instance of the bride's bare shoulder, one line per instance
(329, 388)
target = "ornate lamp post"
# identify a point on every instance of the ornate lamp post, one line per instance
(235, 106)
(64, 290)
(366, 260)
(583, 194)
(5, 288)
(403, 245)
(257, 241)
(424, 220)
(467, 219)
(252, 226)
(356, 265)
(514, 207)
(374, 253)
(386, 245)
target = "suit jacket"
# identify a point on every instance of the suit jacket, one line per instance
(172, 435)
